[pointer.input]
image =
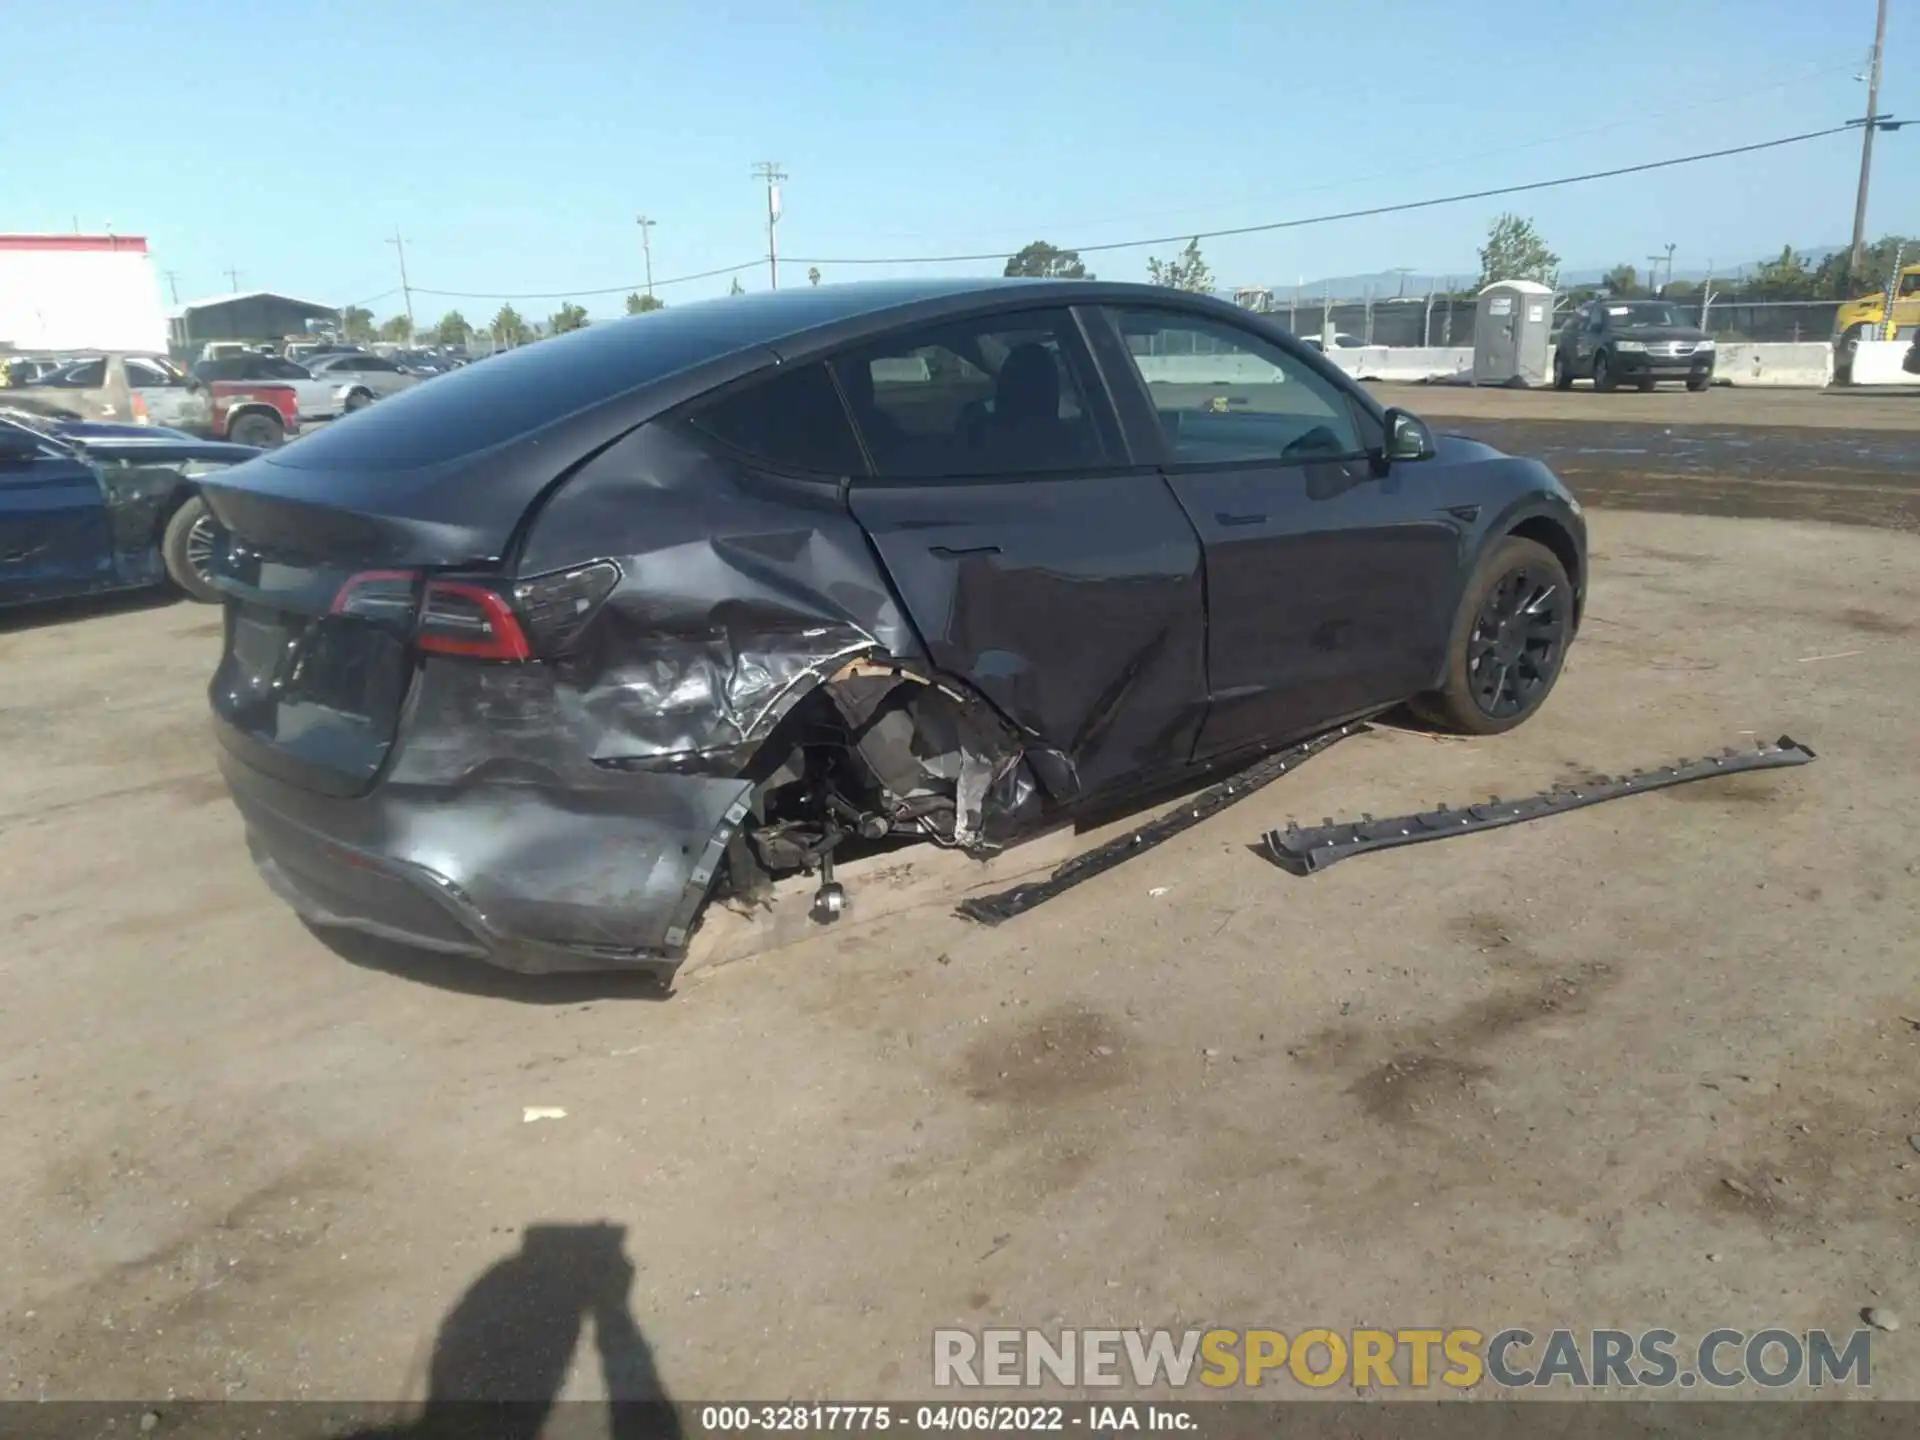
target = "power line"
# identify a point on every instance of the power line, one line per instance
(576, 294)
(1183, 236)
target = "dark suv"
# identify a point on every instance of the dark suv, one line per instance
(1641, 342)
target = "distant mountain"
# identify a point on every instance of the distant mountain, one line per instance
(1388, 284)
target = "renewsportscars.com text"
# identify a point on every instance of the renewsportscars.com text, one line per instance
(1415, 1358)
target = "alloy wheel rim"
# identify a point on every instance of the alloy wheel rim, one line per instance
(1517, 641)
(202, 536)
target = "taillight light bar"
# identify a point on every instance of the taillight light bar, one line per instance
(541, 618)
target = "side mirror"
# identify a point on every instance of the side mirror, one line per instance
(1408, 438)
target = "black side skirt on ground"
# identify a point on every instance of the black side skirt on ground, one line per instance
(1005, 904)
(1305, 850)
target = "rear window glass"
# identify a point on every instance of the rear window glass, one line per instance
(793, 421)
(506, 396)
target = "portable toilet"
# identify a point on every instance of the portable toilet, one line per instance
(1513, 333)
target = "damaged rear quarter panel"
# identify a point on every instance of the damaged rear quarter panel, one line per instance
(740, 590)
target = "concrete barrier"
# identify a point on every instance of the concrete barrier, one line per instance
(1807, 364)
(1878, 362)
(1404, 362)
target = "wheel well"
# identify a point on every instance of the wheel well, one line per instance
(255, 407)
(1542, 531)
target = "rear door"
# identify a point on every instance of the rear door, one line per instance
(54, 535)
(1036, 560)
(1328, 579)
(169, 399)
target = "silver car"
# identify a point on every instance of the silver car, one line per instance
(361, 378)
(122, 387)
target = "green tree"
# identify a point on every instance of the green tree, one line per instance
(1515, 251)
(639, 304)
(508, 329)
(356, 323)
(568, 317)
(734, 287)
(1784, 278)
(1047, 261)
(397, 329)
(453, 329)
(813, 274)
(1680, 290)
(1186, 271)
(1832, 282)
(1623, 280)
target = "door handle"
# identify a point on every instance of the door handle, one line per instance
(948, 552)
(1225, 519)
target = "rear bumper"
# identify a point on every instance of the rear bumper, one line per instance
(524, 876)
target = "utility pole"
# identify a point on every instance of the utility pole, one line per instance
(770, 171)
(1653, 273)
(173, 284)
(399, 243)
(1671, 247)
(1403, 271)
(233, 278)
(1856, 257)
(646, 243)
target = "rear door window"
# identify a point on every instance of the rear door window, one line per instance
(990, 395)
(792, 421)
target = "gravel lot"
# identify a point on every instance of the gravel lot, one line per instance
(1505, 1080)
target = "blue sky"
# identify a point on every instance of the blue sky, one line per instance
(513, 144)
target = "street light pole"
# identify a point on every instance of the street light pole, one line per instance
(646, 243)
(1856, 257)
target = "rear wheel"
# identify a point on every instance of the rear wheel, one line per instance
(187, 547)
(1562, 371)
(258, 429)
(359, 400)
(1603, 377)
(1646, 382)
(1699, 382)
(1509, 640)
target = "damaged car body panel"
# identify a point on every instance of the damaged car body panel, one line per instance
(83, 507)
(527, 663)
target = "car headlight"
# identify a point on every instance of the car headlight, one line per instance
(1631, 345)
(1703, 345)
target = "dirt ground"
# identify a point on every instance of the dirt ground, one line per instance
(1649, 1064)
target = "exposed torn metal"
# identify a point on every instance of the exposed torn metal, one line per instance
(1305, 850)
(1017, 900)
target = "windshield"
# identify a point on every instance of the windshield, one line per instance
(1645, 315)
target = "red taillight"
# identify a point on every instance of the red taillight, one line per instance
(471, 619)
(457, 618)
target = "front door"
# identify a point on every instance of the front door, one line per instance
(1328, 576)
(1496, 339)
(1063, 583)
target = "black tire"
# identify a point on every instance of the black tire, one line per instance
(1697, 383)
(1647, 383)
(358, 400)
(1843, 353)
(1562, 371)
(258, 429)
(1603, 376)
(183, 546)
(1520, 579)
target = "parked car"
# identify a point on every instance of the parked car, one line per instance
(319, 398)
(119, 385)
(1637, 342)
(1341, 341)
(361, 378)
(525, 663)
(94, 507)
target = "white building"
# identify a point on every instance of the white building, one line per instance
(79, 292)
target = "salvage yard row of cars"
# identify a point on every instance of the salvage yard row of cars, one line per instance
(531, 663)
